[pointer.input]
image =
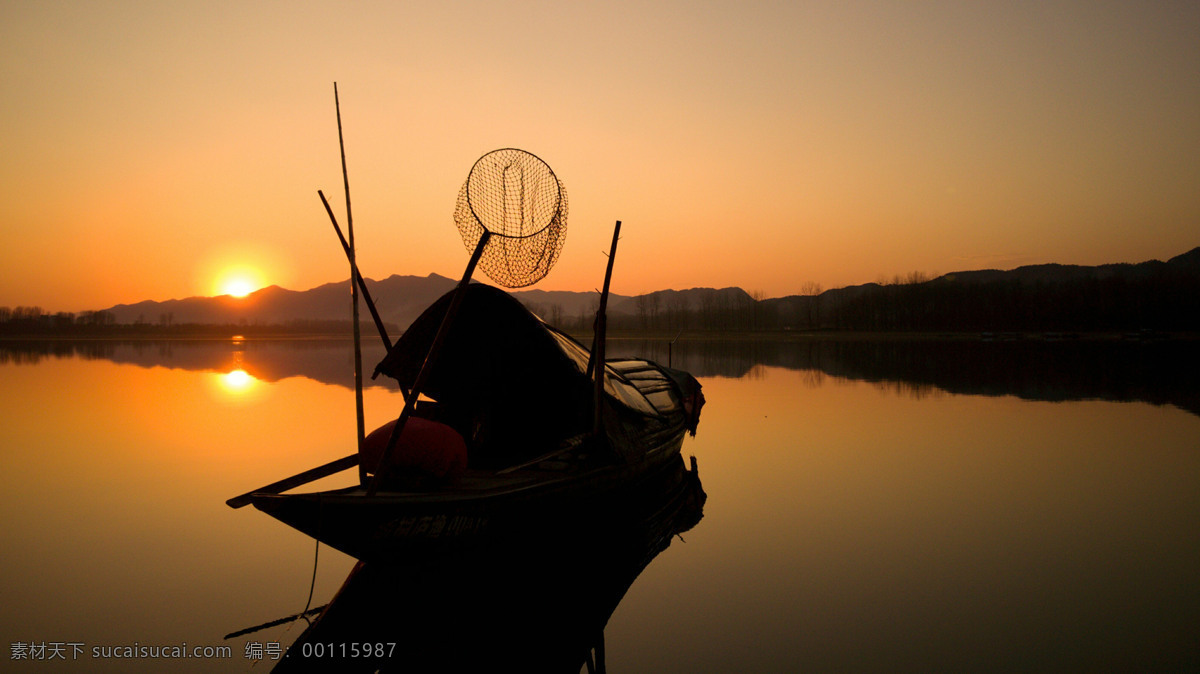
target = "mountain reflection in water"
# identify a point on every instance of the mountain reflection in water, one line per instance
(1158, 372)
(1161, 372)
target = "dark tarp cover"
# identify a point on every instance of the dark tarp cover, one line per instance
(501, 378)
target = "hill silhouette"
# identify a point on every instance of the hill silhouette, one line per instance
(399, 299)
(1151, 295)
(1049, 297)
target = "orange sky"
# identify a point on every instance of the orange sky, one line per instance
(148, 146)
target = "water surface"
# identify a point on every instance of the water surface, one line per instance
(868, 507)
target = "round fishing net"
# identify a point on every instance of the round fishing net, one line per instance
(517, 198)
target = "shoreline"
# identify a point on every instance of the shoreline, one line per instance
(215, 334)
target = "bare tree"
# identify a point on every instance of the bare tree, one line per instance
(756, 314)
(642, 302)
(678, 308)
(812, 290)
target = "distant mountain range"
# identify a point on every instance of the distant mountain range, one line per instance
(1032, 297)
(400, 299)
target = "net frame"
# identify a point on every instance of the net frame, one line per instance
(518, 199)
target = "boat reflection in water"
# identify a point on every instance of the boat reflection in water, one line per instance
(532, 603)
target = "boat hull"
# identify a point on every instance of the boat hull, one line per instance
(526, 504)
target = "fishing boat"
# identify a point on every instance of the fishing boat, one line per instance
(510, 428)
(508, 440)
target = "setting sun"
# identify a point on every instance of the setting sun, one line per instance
(238, 281)
(238, 288)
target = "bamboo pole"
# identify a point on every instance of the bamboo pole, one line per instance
(273, 623)
(671, 347)
(427, 365)
(296, 480)
(362, 283)
(358, 373)
(601, 329)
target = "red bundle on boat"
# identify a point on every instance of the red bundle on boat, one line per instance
(427, 446)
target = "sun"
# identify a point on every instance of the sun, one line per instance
(238, 281)
(238, 287)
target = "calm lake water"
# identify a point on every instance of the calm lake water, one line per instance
(872, 506)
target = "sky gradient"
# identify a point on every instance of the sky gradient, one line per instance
(149, 147)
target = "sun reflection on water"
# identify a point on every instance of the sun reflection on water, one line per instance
(238, 381)
(237, 384)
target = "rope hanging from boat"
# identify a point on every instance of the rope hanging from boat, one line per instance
(517, 198)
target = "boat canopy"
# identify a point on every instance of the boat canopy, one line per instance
(503, 368)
